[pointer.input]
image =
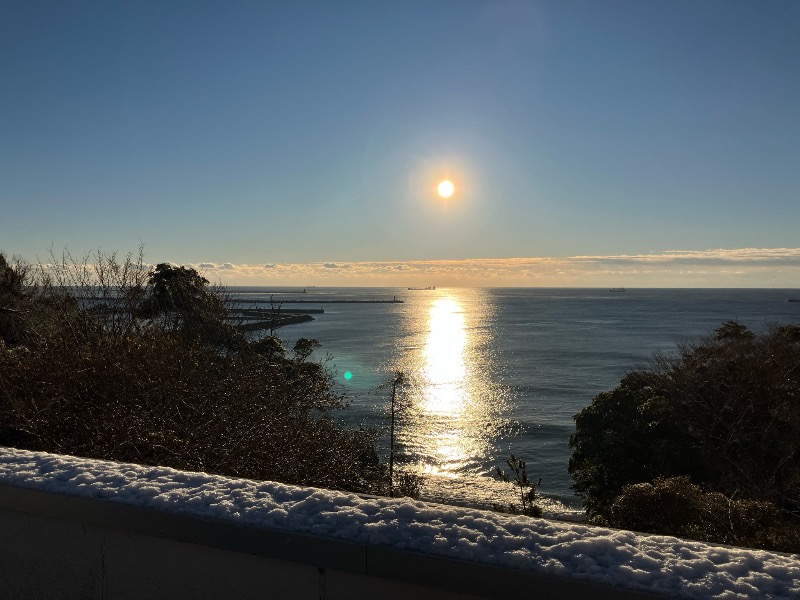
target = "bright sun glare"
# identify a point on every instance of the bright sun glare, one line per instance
(446, 188)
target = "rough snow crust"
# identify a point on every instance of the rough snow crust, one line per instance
(657, 564)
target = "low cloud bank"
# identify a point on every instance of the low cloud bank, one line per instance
(744, 267)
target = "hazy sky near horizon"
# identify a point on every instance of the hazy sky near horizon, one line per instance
(590, 143)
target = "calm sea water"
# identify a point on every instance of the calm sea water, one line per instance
(495, 371)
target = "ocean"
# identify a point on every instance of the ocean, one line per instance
(490, 372)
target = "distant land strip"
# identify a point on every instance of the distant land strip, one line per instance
(295, 301)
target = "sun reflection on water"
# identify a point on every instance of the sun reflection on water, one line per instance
(453, 405)
(445, 371)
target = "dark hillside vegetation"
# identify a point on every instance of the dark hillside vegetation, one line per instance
(109, 359)
(704, 444)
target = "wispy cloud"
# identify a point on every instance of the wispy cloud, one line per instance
(743, 267)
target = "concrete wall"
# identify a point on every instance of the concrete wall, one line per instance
(60, 546)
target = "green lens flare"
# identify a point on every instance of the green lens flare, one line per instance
(348, 375)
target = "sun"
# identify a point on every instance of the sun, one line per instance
(446, 188)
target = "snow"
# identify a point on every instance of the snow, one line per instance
(651, 563)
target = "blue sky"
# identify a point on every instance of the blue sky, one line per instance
(266, 140)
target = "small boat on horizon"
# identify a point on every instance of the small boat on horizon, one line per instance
(616, 290)
(432, 287)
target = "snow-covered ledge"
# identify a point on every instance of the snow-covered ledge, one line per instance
(117, 530)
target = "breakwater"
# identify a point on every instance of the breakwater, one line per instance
(262, 312)
(275, 323)
(327, 301)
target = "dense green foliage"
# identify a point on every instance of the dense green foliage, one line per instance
(111, 360)
(722, 414)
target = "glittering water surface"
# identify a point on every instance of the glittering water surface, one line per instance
(494, 371)
(455, 409)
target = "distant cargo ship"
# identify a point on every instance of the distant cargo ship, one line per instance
(616, 289)
(433, 287)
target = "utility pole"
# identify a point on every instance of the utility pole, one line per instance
(398, 379)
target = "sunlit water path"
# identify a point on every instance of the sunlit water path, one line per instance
(494, 371)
